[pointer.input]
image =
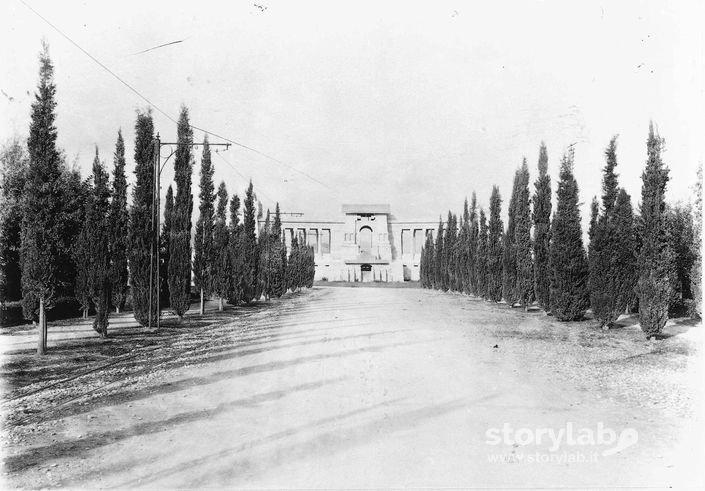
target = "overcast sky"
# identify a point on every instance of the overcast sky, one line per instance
(412, 104)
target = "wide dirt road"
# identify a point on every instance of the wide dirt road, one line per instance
(359, 388)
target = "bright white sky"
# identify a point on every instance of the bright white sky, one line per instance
(411, 104)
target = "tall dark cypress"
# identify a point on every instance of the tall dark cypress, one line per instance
(180, 243)
(473, 233)
(98, 227)
(203, 242)
(542, 230)
(438, 260)
(82, 256)
(594, 216)
(119, 228)
(14, 163)
(696, 272)
(221, 264)
(522, 230)
(294, 265)
(624, 254)
(494, 247)
(237, 261)
(509, 251)
(249, 249)
(449, 244)
(599, 252)
(140, 224)
(464, 250)
(74, 191)
(279, 255)
(656, 257)
(40, 239)
(481, 258)
(164, 241)
(568, 261)
(427, 262)
(681, 237)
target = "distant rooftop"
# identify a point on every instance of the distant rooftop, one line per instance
(371, 209)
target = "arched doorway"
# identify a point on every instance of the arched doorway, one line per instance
(365, 239)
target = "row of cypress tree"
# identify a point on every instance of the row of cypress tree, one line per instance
(232, 261)
(648, 261)
(62, 235)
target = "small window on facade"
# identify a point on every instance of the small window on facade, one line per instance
(325, 241)
(313, 239)
(419, 240)
(406, 241)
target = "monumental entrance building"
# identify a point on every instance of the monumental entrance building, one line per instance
(367, 244)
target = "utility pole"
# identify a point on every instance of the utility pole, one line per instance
(156, 211)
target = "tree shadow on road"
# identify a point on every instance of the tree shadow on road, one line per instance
(323, 443)
(130, 395)
(82, 446)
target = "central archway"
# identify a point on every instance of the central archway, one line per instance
(365, 239)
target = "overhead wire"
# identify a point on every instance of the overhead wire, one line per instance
(244, 177)
(164, 113)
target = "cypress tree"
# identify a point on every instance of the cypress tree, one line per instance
(98, 229)
(427, 262)
(696, 246)
(279, 255)
(40, 237)
(164, 241)
(568, 263)
(481, 258)
(293, 265)
(438, 260)
(203, 244)
(542, 231)
(522, 230)
(656, 257)
(494, 248)
(509, 250)
(598, 264)
(221, 264)
(180, 241)
(681, 235)
(249, 250)
(140, 223)
(611, 250)
(473, 233)
(237, 264)
(82, 255)
(74, 192)
(119, 227)
(266, 266)
(310, 266)
(624, 250)
(14, 163)
(463, 253)
(449, 250)
(594, 215)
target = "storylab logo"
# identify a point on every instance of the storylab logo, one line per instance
(600, 438)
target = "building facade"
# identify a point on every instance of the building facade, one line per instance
(367, 244)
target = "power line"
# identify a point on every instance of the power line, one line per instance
(164, 113)
(117, 77)
(245, 178)
(157, 47)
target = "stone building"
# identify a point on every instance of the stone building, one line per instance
(366, 244)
